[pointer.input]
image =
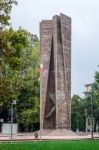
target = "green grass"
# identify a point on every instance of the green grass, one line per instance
(52, 145)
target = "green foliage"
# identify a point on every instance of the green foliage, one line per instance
(77, 116)
(97, 76)
(5, 10)
(96, 98)
(81, 108)
(19, 61)
(28, 100)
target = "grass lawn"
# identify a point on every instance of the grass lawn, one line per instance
(52, 145)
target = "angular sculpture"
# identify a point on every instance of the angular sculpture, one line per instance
(55, 80)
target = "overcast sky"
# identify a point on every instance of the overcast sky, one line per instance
(85, 32)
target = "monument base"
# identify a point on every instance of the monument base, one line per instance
(56, 132)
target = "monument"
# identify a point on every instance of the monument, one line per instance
(55, 80)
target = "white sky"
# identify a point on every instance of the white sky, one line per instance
(85, 32)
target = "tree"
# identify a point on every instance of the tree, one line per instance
(93, 96)
(19, 59)
(29, 98)
(5, 10)
(77, 114)
(19, 75)
(96, 99)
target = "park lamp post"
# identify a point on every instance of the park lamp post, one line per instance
(90, 93)
(13, 103)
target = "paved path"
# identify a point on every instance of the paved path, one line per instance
(30, 136)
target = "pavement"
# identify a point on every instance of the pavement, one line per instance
(30, 137)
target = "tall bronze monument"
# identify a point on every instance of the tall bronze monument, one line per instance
(55, 80)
